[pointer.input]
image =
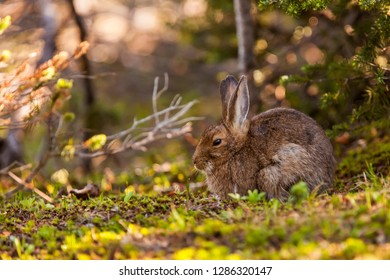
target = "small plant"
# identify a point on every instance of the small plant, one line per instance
(236, 196)
(299, 192)
(128, 196)
(254, 196)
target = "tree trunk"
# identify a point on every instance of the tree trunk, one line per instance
(89, 99)
(11, 149)
(245, 26)
(50, 24)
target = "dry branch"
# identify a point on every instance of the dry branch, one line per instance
(137, 136)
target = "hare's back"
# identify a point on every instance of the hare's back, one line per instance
(291, 146)
(280, 126)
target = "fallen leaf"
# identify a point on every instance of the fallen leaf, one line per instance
(343, 138)
(90, 190)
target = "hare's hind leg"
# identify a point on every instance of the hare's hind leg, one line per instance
(289, 166)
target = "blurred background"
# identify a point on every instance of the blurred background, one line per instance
(195, 43)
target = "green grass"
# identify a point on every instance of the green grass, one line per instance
(134, 220)
(339, 226)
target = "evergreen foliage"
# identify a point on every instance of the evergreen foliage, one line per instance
(362, 79)
(295, 8)
(349, 73)
(214, 32)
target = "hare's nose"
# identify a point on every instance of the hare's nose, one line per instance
(195, 161)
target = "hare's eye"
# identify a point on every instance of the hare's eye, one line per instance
(216, 142)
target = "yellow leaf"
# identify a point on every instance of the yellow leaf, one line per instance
(96, 142)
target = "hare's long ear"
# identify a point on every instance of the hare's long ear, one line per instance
(226, 89)
(238, 106)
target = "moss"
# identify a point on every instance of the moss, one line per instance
(369, 158)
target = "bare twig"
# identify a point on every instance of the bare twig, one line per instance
(157, 93)
(15, 166)
(138, 142)
(175, 102)
(154, 100)
(137, 136)
(24, 184)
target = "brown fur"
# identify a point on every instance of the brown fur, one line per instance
(270, 152)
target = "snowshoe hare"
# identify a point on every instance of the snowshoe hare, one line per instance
(270, 152)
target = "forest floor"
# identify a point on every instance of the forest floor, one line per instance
(134, 220)
(155, 212)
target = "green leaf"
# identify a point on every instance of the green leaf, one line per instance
(69, 116)
(60, 176)
(128, 196)
(178, 218)
(64, 84)
(5, 55)
(5, 23)
(255, 196)
(48, 74)
(68, 151)
(235, 196)
(17, 245)
(299, 192)
(96, 142)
